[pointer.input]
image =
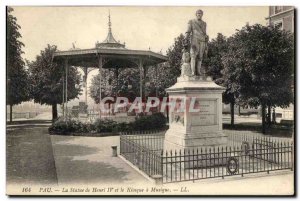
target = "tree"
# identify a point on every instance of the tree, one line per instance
(214, 67)
(47, 80)
(213, 62)
(116, 82)
(231, 74)
(174, 54)
(169, 71)
(259, 61)
(17, 76)
(105, 81)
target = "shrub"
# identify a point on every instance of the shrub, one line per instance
(105, 125)
(156, 120)
(123, 127)
(63, 127)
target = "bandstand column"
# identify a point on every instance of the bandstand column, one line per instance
(156, 78)
(66, 70)
(141, 77)
(145, 68)
(100, 82)
(63, 96)
(85, 82)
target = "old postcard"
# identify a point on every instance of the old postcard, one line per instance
(145, 100)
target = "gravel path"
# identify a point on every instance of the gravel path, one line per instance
(88, 160)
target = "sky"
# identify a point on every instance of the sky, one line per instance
(140, 28)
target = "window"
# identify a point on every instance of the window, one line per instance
(278, 24)
(278, 9)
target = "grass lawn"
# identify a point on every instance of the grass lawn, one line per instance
(29, 156)
(278, 130)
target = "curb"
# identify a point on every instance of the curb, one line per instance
(137, 169)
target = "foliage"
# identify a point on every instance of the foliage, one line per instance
(47, 79)
(66, 127)
(213, 62)
(61, 127)
(113, 87)
(124, 127)
(166, 73)
(156, 120)
(105, 125)
(259, 66)
(95, 89)
(230, 74)
(17, 75)
(259, 61)
(174, 54)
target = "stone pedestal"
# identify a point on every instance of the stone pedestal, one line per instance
(191, 130)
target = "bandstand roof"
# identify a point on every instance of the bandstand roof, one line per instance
(113, 53)
(112, 58)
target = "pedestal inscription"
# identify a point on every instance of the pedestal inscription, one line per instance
(207, 115)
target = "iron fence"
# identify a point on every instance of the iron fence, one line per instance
(143, 149)
(251, 155)
(254, 157)
(236, 139)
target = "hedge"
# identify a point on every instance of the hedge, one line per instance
(73, 127)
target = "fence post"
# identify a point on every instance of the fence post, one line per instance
(175, 165)
(114, 151)
(281, 151)
(193, 166)
(242, 164)
(267, 158)
(292, 156)
(171, 157)
(166, 164)
(162, 162)
(197, 165)
(121, 143)
(158, 179)
(226, 155)
(285, 156)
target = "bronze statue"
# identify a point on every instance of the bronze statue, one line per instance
(196, 35)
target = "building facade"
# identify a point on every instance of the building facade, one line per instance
(282, 16)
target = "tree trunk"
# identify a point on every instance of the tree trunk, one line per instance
(269, 115)
(239, 110)
(54, 111)
(10, 114)
(263, 118)
(274, 116)
(232, 112)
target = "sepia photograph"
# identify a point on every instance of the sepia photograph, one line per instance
(150, 100)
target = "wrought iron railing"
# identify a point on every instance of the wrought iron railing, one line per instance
(257, 156)
(144, 150)
(251, 155)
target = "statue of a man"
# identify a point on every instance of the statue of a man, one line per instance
(196, 33)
